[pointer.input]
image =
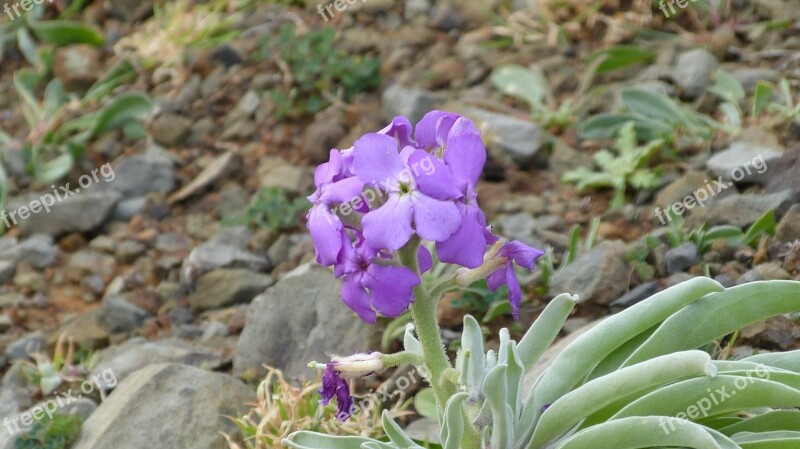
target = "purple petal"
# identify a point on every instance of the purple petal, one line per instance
(325, 229)
(461, 127)
(376, 159)
(426, 130)
(467, 245)
(389, 226)
(514, 292)
(347, 190)
(434, 219)
(497, 278)
(524, 255)
(344, 401)
(433, 177)
(400, 129)
(425, 259)
(466, 156)
(326, 172)
(355, 297)
(391, 288)
(491, 239)
(329, 384)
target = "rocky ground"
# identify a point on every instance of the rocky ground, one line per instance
(183, 277)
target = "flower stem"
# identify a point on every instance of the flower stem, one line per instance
(400, 358)
(423, 311)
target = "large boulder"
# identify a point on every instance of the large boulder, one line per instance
(167, 406)
(299, 319)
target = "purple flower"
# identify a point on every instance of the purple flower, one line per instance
(332, 188)
(524, 256)
(334, 386)
(378, 162)
(371, 283)
(400, 129)
(437, 127)
(465, 156)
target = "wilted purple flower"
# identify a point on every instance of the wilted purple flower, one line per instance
(332, 188)
(378, 162)
(524, 256)
(371, 283)
(334, 386)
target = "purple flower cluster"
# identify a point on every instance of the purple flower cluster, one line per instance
(394, 184)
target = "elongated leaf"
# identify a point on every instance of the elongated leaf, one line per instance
(770, 421)
(578, 359)
(521, 82)
(653, 105)
(718, 314)
(573, 407)
(472, 341)
(643, 431)
(764, 225)
(53, 170)
(759, 440)
(544, 331)
(703, 397)
(496, 391)
(761, 97)
(63, 32)
(453, 429)
(621, 56)
(313, 440)
(28, 47)
(121, 110)
(606, 126)
(394, 432)
(785, 360)
(727, 87)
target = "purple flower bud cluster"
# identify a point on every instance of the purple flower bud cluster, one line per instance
(394, 184)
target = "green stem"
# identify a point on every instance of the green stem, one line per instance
(423, 311)
(401, 358)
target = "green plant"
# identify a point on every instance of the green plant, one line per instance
(36, 38)
(704, 236)
(655, 116)
(632, 381)
(272, 209)
(316, 72)
(531, 86)
(61, 129)
(789, 109)
(627, 167)
(284, 408)
(57, 433)
(67, 365)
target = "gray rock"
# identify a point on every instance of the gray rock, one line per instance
(7, 270)
(279, 173)
(249, 102)
(410, 102)
(765, 272)
(682, 257)
(139, 175)
(693, 70)
(301, 318)
(636, 295)
(678, 278)
(416, 8)
(172, 242)
(171, 129)
(225, 287)
(85, 211)
(237, 236)
(22, 349)
(749, 76)
(741, 210)
(744, 162)
(788, 229)
(39, 251)
(211, 256)
(119, 315)
(138, 353)
(129, 250)
(127, 209)
(507, 137)
(565, 158)
(167, 406)
(783, 175)
(599, 276)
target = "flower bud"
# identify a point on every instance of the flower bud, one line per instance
(358, 364)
